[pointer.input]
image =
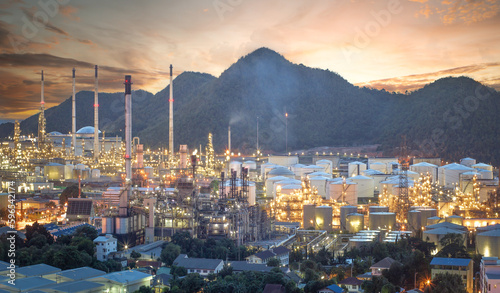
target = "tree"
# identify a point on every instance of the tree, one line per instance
(144, 289)
(87, 232)
(134, 254)
(395, 274)
(69, 192)
(388, 288)
(178, 271)
(226, 271)
(273, 262)
(37, 229)
(192, 283)
(448, 283)
(170, 253)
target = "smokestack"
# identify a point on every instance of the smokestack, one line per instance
(229, 139)
(171, 117)
(123, 210)
(96, 118)
(42, 101)
(73, 117)
(41, 117)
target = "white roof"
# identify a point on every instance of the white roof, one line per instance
(424, 164)
(105, 239)
(291, 186)
(360, 177)
(87, 130)
(481, 165)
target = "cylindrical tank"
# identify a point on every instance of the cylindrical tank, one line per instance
(355, 222)
(122, 225)
(37, 171)
(378, 166)
(378, 209)
(326, 164)
(485, 174)
(323, 174)
(382, 221)
(324, 218)
(427, 212)
(449, 175)
(344, 211)
(107, 225)
(310, 169)
(235, 166)
(483, 166)
(433, 220)
(365, 186)
(424, 168)
(468, 162)
(280, 171)
(309, 216)
(350, 189)
(355, 168)
(149, 171)
(270, 191)
(488, 243)
(281, 183)
(250, 165)
(290, 188)
(414, 220)
(454, 219)
(297, 169)
(80, 166)
(68, 171)
(319, 182)
(251, 193)
(95, 173)
(266, 167)
(53, 171)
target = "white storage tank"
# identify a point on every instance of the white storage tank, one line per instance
(378, 166)
(284, 182)
(53, 171)
(149, 171)
(251, 193)
(326, 164)
(290, 188)
(449, 175)
(235, 166)
(107, 225)
(297, 169)
(68, 171)
(265, 168)
(324, 218)
(427, 212)
(280, 171)
(250, 165)
(378, 209)
(308, 170)
(355, 168)
(467, 162)
(488, 243)
(95, 173)
(424, 168)
(454, 219)
(319, 182)
(344, 211)
(308, 216)
(270, 191)
(414, 221)
(313, 174)
(435, 235)
(382, 221)
(355, 222)
(335, 189)
(433, 220)
(485, 174)
(284, 160)
(483, 166)
(365, 186)
(80, 166)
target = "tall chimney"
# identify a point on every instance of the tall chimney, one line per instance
(73, 117)
(96, 118)
(171, 117)
(123, 209)
(41, 117)
(229, 139)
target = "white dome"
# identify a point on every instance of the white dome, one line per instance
(87, 130)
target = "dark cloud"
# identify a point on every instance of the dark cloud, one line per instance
(48, 25)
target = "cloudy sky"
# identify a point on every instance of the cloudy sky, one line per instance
(394, 44)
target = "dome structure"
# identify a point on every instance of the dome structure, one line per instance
(87, 130)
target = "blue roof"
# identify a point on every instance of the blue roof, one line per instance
(51, 226)
(445, 261)
(71, 230)
(37, 270)
(335, 288)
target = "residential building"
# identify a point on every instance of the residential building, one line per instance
(489, 276)
(77, 274)
(459, 266)
(332, 289)
(382, 265)
(123, 281)
(280, 252)
(274, 288)
(352, 284)
(104, 246)
(202, 266)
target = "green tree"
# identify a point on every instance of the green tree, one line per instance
(37, 229)
(83, 244)
(144, 289)
(170, 253)
(134, 254)
(273, 262)
(192, 283)
(395, 274)
(178, 271)
(69, 192)
(226, 271)
(388, 288)
(448, 283)
(87, 232)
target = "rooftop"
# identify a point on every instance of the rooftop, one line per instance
(124, 277)
(384, 264)
(37, 270)
(26, 284)
(77, 286)
(445, 261)
(81, 273)
(351, 281)
(197, 263)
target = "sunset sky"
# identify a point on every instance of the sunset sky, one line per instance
(396, 45)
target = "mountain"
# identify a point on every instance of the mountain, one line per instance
(451, 117)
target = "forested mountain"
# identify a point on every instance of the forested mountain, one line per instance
(452, 117)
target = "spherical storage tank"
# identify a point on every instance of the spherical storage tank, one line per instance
(488, 243)
(319, 182)
(344, 211)
(324, 218)
(355, 168)
(308, 216)
(382, 221)
(270, 185)
(424, 168)
(378, 166)
(355, 223)
(365, 186)
(326, 164)
(335, 189)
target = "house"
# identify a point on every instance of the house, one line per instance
(280, 252)
(274, 288)
(382, 265)
(332, 289)
(105, 245)
(489, 275)
(202, 266)
(458, 266)
(353, 284)
(123, 281)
